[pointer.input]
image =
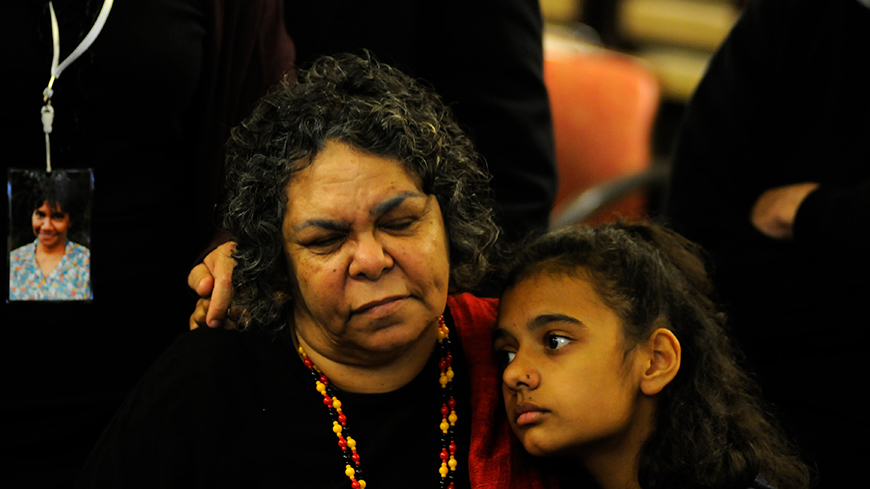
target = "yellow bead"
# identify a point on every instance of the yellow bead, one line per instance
(443, 380)
(441, 335)
(348, 471)
(336, 403)
(301, 351)
(362, 484)
(453, 417)
(351, 443)
(443, 470)
(336, 428)
(321, 388)
(450, 374)
(452, 463)
(444, 426)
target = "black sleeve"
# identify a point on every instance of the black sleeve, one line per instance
(781, 103)
(720, 164)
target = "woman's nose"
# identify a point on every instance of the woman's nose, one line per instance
(370, 259)
(519, 374)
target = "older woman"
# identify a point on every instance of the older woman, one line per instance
(357, 206)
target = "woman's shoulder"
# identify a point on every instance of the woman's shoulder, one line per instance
(75, 248)
(212, 392)
(217, 350)
(208, 376)
(23, 252)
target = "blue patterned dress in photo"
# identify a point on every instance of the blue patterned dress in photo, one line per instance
(69, 281)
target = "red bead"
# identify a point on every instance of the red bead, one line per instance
(442, 364)
(452, 403)
(308, 363)
(342, 418)
(324, 379)
(444, 455)
(452, 447)
(445, 410)
(342, 443)
(354, 485)
(327, 401)
(450, 486)
(355, 458)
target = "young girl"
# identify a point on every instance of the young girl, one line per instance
(614, 356)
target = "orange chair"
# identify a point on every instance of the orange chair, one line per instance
(604, 106)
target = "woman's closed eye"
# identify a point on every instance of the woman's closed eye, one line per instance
(398, 225)
(325, 244)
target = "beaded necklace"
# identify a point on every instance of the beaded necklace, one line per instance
(348, 445)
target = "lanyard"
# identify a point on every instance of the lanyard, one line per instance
(47, 110)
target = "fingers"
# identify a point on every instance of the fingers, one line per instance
(197, 319)
(774, 212)
(221, 264)
(200, 280)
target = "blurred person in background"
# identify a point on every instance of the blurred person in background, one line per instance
(771, 174)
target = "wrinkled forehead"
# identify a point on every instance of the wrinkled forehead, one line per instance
(313, 167)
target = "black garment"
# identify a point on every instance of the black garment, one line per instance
(138, 107)
(785, 101)
(227, 409)
(484, 57)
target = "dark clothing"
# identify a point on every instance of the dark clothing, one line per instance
(484, 57)
(785, 101)
(236, 409)
(227, 409)
(148, 107)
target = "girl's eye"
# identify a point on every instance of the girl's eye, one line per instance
(554, 341)
(505, 357)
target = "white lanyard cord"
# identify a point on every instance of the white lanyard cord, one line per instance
(47, 110)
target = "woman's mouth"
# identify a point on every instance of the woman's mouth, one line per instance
(381, 307)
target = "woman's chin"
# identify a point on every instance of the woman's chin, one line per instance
(396, 335)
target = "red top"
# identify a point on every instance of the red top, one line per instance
(496, 458)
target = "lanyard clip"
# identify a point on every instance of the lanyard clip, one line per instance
(47, 117)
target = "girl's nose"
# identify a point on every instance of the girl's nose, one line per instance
(519, 374)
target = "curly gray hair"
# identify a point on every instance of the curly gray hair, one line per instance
(373, 108)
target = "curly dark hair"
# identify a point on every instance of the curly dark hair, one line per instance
(69, 190)
(711, 428)
(373, 108)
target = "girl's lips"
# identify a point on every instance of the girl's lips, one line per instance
(529, 417)
(528, 413)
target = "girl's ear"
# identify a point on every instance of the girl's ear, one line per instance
(662, 355)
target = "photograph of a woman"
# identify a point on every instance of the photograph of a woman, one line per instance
(52, 267)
